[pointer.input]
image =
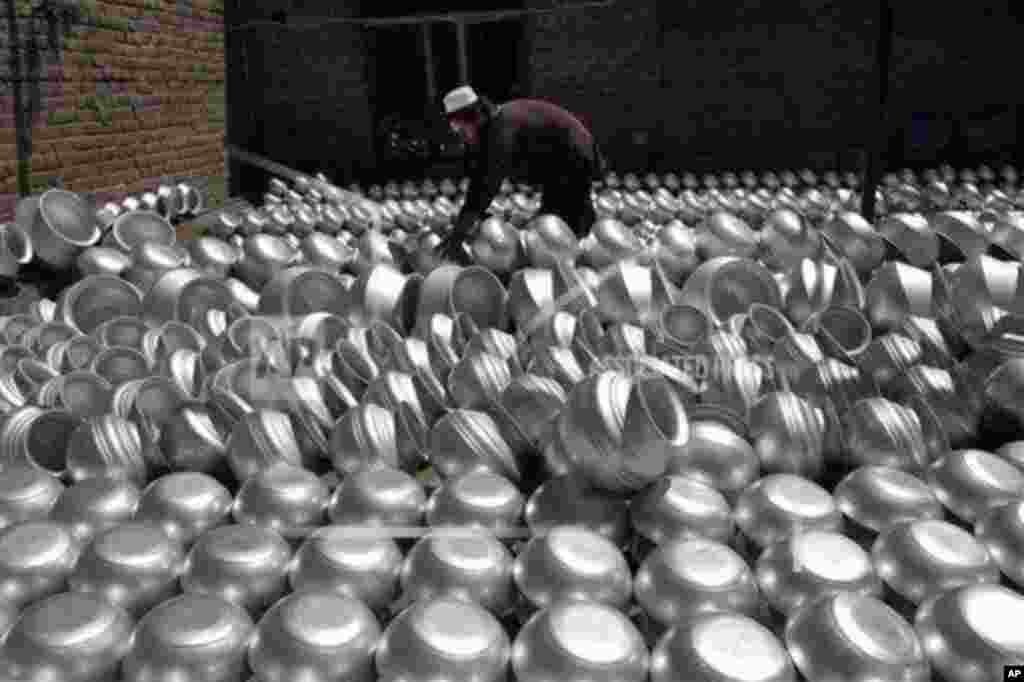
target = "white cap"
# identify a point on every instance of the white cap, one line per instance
(459, 98)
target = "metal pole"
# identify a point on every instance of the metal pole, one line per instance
(22, 128)
(428, 60)
(883, 54)
(460, 39)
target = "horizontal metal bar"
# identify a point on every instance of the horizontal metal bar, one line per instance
(278, 169)
(451, 17)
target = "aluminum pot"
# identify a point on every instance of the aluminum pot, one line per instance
(970, 482)
(27, 493)
(378, 496)
(795, 572)
(107, 446)
(477, 499)
(186, 295)
(686, 577)
(920, 559)
(150, 260)
(621, 432)
(875, 498)
(681, 507)
(567, 563)
(723, 287)
(97, 299)
(70, 637)
(855, 637)
(284, 498)
(61, 227)
(37, 437)
(344, 561)
(133, 228)
(185, 505)
(965, 641)
(319, 636)
(580, 640)
(192, 637)
(567, 500)
(36, 560)
(718, 456)
(1001, 530)
(299, 291)
(260, 439)
(778, 506)
(721, 647)
(245, 564)
(96, 505)
(193, 439)
(443, 638)
(467, 564)
(463, 441)
(135, 566)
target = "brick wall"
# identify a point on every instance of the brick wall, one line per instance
(127, 97)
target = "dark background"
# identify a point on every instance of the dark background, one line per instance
(665, 84)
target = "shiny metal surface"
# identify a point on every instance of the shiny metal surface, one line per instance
(580, 640)
(133, 565)
(854, 637)
(36, 560)
(968, 633)
(67, 636)
(721, 647)
(569, 562)
(468, 564)
(922, 558)
(95, 505)
(446, 639)
(875, 498)
(683, 578)
(680, 506)
(244, 564)
(358, 565)
(284, 498)
(795, 572)
(781, 505)
(315, 636)
(192, 637)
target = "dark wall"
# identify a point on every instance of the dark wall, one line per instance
(300, 96)
(681, 84)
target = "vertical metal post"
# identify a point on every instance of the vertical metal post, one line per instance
(880, 141)
(428, 61)
(22, 127)
(460, 40)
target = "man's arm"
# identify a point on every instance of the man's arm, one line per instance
(484, 184)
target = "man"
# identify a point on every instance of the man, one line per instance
(525, 139)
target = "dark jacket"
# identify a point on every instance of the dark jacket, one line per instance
(531, 141)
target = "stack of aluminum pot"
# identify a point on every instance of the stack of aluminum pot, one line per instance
(735, 433)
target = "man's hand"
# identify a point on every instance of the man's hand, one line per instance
(452, 245)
